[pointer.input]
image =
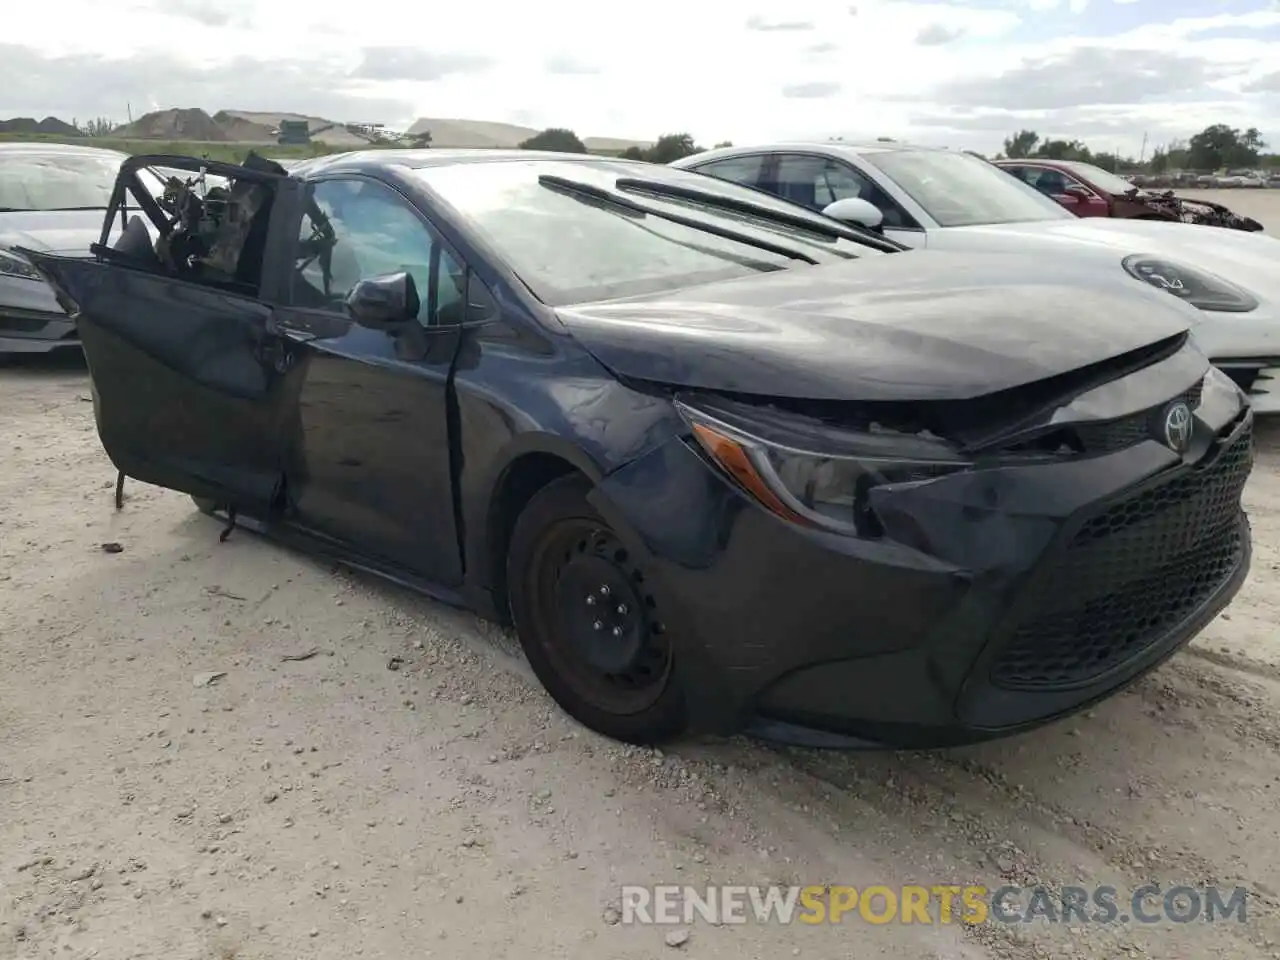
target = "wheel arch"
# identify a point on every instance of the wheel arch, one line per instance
(533, 463)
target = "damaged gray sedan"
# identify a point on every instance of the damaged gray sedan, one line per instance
(726, 464)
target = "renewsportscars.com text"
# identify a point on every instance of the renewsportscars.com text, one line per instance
(940, 904)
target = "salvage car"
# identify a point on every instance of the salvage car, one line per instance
(949, 200)
(725, 463)
(1089, 191)
(52, 198)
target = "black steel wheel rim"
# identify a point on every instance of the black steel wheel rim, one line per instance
(595, 619)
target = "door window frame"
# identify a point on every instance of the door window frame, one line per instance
(755, 184)
(1071, 179)
(439, 245)
(909, 221)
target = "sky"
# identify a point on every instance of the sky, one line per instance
(943, 72)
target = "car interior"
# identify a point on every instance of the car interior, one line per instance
(802, 181)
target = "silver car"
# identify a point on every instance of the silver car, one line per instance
(53, 198)
(949, 200)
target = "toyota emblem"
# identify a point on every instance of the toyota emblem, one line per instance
(1177, 427)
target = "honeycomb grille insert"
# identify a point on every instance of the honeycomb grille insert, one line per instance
(1125, 432)
(1130, 575)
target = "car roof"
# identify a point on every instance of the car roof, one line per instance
(367, 160)
(833, 148)
(48, 147)
(1041, 162)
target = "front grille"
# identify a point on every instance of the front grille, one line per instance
(1130, 575)
(1125, 432)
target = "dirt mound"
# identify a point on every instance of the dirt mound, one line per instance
(49, 125)
(242, 130)
(175, 124)
(489, 134)
(328, 132)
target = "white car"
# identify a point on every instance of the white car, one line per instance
(949, 200)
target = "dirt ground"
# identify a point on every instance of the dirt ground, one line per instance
(333, 807)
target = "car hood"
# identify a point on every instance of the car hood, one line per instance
(1249, 260)
(915, 326)
(64, 232)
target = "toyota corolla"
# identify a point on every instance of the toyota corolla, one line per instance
(725, 463)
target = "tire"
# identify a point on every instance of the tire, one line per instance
(608, 663)
(205, 505)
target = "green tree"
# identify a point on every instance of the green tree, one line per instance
(100, 127)
(1219, 146)
(724, 143)
(555, 139)
(1063, 150)
(672, 146)
(421, 141)
(1020, 145)
(1112, 161)
(632, 153)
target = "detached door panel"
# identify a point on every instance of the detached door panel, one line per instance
(188, 382)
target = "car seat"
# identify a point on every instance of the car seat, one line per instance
(802, 192)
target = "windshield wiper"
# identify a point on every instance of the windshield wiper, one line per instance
(580, 189)
(832, 231)
(69, 209)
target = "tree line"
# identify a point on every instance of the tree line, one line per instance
(1216, 147)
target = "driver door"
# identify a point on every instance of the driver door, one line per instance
(374, 468)
(1067, 191)
(192, 384)
(817, 181)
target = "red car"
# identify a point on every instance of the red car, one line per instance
(1089, 191)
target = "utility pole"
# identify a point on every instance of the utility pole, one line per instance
(1142, 157)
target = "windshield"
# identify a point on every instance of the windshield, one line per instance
(570, 249)
(1102, 179)
(34, 180)
(958, 190)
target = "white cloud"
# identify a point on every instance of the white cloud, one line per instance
(718, 70)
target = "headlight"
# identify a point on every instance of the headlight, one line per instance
(826, 488)
(12, 265)
(1197, 287)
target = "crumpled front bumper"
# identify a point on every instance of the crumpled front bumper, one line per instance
(997, 601)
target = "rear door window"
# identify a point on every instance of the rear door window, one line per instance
(743, 170)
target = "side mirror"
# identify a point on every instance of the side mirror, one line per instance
(855, 210)
(1076, 190)
(384, 303)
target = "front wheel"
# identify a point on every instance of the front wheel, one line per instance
(205, 505)
(588, 622)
